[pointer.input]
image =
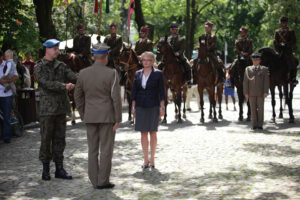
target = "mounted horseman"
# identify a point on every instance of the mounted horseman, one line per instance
(144, 43)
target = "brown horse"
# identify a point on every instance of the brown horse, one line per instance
(76, 63)
(279, 76)
(207, 79)
(129, 59)
(173, 77)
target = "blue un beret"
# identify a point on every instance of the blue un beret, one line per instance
(51, 43)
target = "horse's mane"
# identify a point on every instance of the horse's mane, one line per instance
(268, 50)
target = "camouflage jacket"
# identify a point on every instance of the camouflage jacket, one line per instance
(243, 45)
(82, 44)
(143, 45)
(52, 78)
(210, 41)
(285, 40)
(178, 44)
(115, 43)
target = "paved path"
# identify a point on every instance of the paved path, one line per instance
(215, 161)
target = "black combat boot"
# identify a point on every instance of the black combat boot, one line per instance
(61, 172)
(46, 172)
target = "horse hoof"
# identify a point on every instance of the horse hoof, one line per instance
(184, 116)
(202, 120)
(241, 119)
(280, 116)
(220, 116)
(248, 119)
(291, 120)
(73, 122)
(179, 121)
(131, 122)
(215, 120)
(164, 121)
(209, 116)
(176, 116)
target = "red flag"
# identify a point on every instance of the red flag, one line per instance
(96, 6)
(130, 11)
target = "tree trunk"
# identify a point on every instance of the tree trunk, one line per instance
(193, 27)
(188, 31)
(43, 10)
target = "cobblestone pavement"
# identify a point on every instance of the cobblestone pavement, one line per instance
(224, 160)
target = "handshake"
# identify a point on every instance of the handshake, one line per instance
(70, 86)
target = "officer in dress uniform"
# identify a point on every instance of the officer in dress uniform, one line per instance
(285, 45)
(114, 41)
(211, 45)
(143, 44)
(243, 51)
(82, 45)
(54, 80)
(98, 100)
(256, 88)
(178, 45)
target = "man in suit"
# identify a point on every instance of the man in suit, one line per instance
(98, 100)
(256, 87)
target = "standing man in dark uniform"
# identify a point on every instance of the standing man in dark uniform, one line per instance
(54, 81)
(285, 45)
(143, 44)
(211, 45)
(115, 42)
(82, 45)
(178, 44)
(243, 51)
(256, 88)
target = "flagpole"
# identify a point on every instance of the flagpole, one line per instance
(100, 15)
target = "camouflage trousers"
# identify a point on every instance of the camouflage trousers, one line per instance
(53, 138)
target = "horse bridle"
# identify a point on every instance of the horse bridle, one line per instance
(128, 67)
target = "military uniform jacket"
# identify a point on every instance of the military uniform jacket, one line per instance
(82, 44)
(52, 78)
(143, 45)
(97, 95)
(286, 36)
(243, 45)
(177, 44)
(115, 43)
(256, 82)
(210, 41)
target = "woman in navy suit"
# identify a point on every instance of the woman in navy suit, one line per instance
(148, 100)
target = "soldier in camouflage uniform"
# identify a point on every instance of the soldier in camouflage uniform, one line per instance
(115, 42)
(143, 44)
(211, 45)
(178, 44)
(285, 45)
(82, 45)
(53, 79)
(243, 50)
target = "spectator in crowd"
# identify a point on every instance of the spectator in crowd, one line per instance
(6, 98)
(148, 100)
(228, 91)
(8, 72)
(29, 63)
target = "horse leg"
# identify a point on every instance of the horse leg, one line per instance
(184, 99)
(164, 121)
(249, 111)
(213, 103)
(220, 94)
(241, 104)
(272, 90)
(200, 91)
(280, 97)
(73, 112)
(178, 102)
(290, 104)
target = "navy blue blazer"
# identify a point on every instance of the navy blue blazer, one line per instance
(154, 92)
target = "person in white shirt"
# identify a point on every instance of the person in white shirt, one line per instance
(9, 70)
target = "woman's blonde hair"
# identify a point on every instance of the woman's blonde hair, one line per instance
(148, 54)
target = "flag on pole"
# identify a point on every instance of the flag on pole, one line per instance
(130, 11)
(96, 6)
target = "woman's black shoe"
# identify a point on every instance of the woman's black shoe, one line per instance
(107, 186)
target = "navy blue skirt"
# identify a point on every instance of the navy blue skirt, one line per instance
(146, 119)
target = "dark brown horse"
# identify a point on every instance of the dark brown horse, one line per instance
(279, 76)
(129, 60)
(207, 78)
(76, 63)
(238, 80)
(173, 77)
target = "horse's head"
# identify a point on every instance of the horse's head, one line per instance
(267, 55)
(162, 47)
(202, 49)
(125, 53)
